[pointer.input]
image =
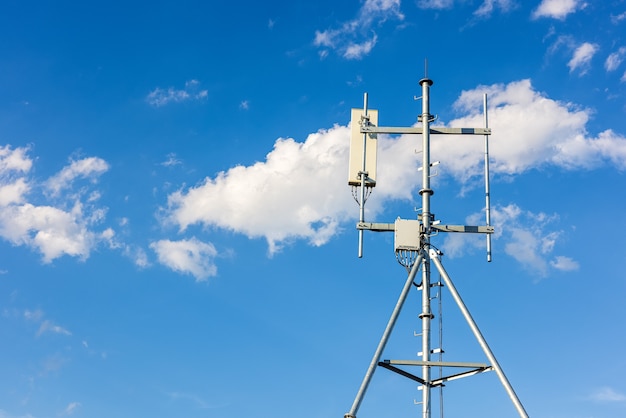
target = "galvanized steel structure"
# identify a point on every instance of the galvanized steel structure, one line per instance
(415, 252)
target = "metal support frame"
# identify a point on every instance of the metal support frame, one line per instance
(425, 255)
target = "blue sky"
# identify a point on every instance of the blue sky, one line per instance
(177, 232)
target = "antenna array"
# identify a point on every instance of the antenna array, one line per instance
(414, 250)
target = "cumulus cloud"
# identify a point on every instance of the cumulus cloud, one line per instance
(356, 38)
(295, 193)
(581, 60)
(557, 135)
(190, 256)
(299, 191)
(161, 97)
(556, 9)
(60, 228)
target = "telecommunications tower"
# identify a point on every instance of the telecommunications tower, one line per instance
(414, 251)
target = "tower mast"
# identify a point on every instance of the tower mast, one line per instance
(414, 250)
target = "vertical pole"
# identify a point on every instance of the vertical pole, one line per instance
(426, 192)
(383, 341)
(363, 176)
(487, 191)
(479, 336)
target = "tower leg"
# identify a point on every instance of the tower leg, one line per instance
(434, 256)
(383, 341)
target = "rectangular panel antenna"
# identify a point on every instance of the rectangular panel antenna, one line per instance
(356, 149)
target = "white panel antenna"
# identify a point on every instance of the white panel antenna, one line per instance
(362, 144)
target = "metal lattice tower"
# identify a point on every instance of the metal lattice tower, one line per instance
(414, 251)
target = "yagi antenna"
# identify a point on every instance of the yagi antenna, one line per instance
(414, 251)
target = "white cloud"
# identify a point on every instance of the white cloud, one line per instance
(615, 59)
(71, 408)
(244, 105)
(14, 164)
(294, 193)
(564, 263)
(49, 327)
(36, 315)
(302, 185)
(139, 257)
(616, 19)
(161, 97)
(581, 59)
(435, 4)
(45, 325)
(52, 230)
(556, 136)
(91, 168)
(187, 256)
(488, 7)
(356, 51)
(12, 160)
(607, 394)
(355, 38)
(526, 237)
(556, 9)
(13, 192)
(194, 399)
(171, 160)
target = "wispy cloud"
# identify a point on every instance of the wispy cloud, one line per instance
(488, 7)
(615, 59)
(71, 408)
(50, 327)
(485, 10)
(91, 167)
(46, 326)
(557, 9)
(244, 105)
(190, 256)
(171, 160)
(161, 97)
(616, 19)
(435, 4)
(356, 38)
(607, 394)
(527, 237)
(580, 54)
(194, 399)
(581, 60)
